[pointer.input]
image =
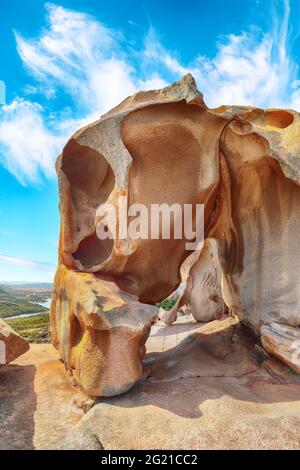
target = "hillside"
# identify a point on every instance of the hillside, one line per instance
(13, 303)
(35, 329)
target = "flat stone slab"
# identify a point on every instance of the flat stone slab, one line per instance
(164, 337)
(205, 393)
(207, 351)
(37, 402)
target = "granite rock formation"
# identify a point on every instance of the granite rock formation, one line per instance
(100, 332)
(167, 146)
(11, 344)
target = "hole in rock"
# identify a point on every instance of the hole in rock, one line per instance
(90, 176)
(93, 251)
(91, 181)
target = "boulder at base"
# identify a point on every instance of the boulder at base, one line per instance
(11, 344)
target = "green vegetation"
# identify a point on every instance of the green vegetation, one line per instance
(16, 300)
(168, 303)
(10, 307)
(34, 329)
(13, 304)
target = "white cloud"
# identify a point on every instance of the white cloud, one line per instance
(152, 83)
(19, 269)
(244, 73)
(49, 267)
(85, 58)
(81, 56)
(92, 66)
(27, 146)
(253, 68)
(156, 55)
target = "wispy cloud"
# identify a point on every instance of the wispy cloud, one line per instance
(81, 56)
(253, 68)
(91, 64)
(75, 55)
(49, 267)
(27, 146)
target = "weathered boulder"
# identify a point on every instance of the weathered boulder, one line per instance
(99, 331)
(167, 147)
(202, 275)
(168, 316)
(11, 344)
(138, 151)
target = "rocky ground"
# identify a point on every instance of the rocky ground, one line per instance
(209, 387)
(36, 401)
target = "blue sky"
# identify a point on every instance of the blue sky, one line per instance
(66, 63)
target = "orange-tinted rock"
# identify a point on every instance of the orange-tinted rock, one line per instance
(139, 150)
(99, 331)
(166, 146)
(11, 344)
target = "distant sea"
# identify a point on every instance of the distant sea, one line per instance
(45, 304)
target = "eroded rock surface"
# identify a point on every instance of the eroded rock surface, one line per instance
(38, 405)
(202, 275)
(206, 393)
(282, 341)
(139, 150)
(167, 147)
(11, 344)
(100, 332)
